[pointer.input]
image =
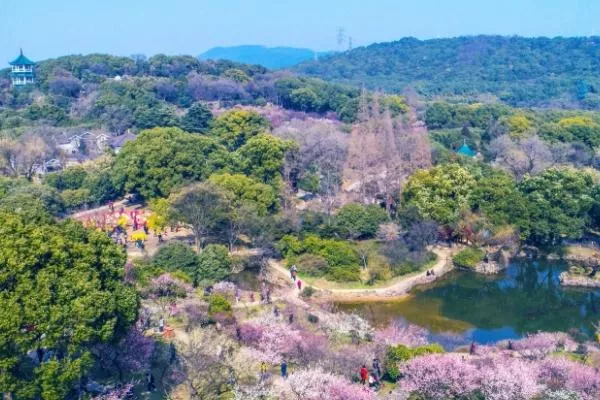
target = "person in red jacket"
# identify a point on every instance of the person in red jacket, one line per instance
(364, 374)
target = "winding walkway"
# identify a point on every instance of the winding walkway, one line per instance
(398, 289)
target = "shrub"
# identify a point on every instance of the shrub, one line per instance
(312, 264)
(290, 246)
(403, 260)
(218, 304)
(342, 259)
(308, 291)
(182, 276)
(177, 256)
(73, 198)
(349, 273)
(338, 253)
(468, 258)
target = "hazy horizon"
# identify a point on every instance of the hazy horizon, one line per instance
(192, 27)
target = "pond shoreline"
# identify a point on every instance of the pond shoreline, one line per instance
(525, 298)
(401, 289)
(583, 281)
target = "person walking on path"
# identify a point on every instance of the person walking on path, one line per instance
(283, 369)
(161, 325)
(472, 348)
(263, 371)
(376, 368)
(150, 381)
(293, 272)
(299, 283)
(364, 374)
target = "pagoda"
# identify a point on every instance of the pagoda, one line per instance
(22, 71)
(465, 150)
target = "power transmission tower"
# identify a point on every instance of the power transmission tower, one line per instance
(341, 36)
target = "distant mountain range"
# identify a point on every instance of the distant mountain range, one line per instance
(547, 72)
(269, 57)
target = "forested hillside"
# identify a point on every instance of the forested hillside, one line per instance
(121, 93)
(520, 71)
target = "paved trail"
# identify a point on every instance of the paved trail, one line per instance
(398, 289)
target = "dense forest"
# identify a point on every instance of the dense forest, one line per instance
(558, 72)
(121, 92)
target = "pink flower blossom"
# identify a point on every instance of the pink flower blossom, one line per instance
(401, 332)
(508, 379)
(167, 286)
(227, 289)
(497, 376)
(542, 343)
(440, 376)
(316, 384)
(559, 373)
(115, 394)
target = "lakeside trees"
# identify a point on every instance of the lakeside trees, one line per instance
(554, 204)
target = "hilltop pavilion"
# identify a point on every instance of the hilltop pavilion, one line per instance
(22, 71)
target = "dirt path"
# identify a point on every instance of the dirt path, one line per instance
(398, 289)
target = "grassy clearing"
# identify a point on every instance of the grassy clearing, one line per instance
(323, 283)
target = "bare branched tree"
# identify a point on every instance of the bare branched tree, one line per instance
(529, 156)
(20, 157)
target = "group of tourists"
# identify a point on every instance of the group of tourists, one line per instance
(373, 379)
(116, 223)
(430, 272)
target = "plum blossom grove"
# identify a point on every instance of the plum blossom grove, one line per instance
(316, 383)
(499, 374)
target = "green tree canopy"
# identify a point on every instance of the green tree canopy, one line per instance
(245, 190)
(214, 264)
(263, 157)
(62, 291)
(69, 178)
(234, 128)
(559, 202)
(30, 196)
(161, 159)
(439, 193)
(358, 221)
(204, 207)
(497, 196)
(197, 118)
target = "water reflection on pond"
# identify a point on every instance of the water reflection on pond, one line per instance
(525, 298)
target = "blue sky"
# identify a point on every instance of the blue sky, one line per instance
(50, 28)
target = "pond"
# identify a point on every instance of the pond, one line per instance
(464, 306)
